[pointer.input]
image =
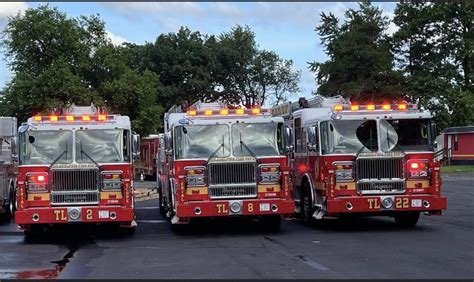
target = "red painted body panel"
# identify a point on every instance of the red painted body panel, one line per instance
(187, 203)
(52, 215)
(221, 208)
(148, 150)
(362, 204)
(123, 206)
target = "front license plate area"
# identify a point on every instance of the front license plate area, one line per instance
(103, 214)
(264, 207)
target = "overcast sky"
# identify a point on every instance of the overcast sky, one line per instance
(286, 28)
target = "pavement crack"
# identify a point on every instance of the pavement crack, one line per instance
(283, 250)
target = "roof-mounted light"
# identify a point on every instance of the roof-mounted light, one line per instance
(224, 112)
(386, 107)
(37, 118)
(354, 107)
(69, 118)
(370, 107)
(255, 111)
(191, 112)
(338, 108)
(402, 106)
(240, 111)
(101, 117)
(53, 118)
(208, 112)
(86, 118)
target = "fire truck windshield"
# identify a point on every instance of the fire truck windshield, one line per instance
(254, 138)
(103, 146)
(406, 135)
(202, 141)
(44, 147)
(348, 136)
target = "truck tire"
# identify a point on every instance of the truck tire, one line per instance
(307, 209)
(407, 219)
(12, 203)
(161, 204)
(271, 223)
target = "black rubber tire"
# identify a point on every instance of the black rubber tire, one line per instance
(161, 206)
(12, 204)
(407, 219)
(271, 222)
(306, 205)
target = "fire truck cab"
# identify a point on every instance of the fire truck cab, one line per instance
(363, 159)
(220, 162)
(75, 166)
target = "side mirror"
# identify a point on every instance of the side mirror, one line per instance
(135, 145)
(14, 149)
(289, 140)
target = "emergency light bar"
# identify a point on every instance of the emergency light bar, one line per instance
(72, 118)
(226, 112)
(354, 107)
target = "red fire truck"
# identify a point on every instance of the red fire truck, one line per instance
(148, 151)
(75, 166)
(220, 161)
(374, 159)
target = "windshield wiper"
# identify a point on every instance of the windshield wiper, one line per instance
(57, 158)
(246, 147)
(87, 155)
(217, 150)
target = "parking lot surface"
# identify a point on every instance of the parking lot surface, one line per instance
(372, 247)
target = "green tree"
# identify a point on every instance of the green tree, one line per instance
(433, 48)
(248, 75)
(51, 56)
(360, 64)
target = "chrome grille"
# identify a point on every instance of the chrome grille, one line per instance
(75, 186)
(75, 198)
(233, 191)
(377, 187)
(232, 173)
(74, 180)
(379, 168)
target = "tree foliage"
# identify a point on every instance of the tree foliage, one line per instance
(360, 64)
(433, 48)
(58, 60)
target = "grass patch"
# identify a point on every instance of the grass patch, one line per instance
(457, 168)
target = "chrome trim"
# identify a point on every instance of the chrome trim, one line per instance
(225, 191)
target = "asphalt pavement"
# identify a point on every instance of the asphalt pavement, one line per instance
(372, 247)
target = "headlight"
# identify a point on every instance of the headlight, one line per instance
(195, 176)
(417, 169)
(344, 171)
(269, 173)
(111, 180)
(37, 182)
